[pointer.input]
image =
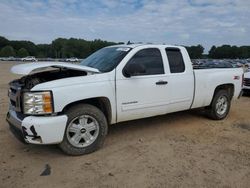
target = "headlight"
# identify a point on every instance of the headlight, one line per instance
(37, 103)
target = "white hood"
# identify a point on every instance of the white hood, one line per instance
(30, 68)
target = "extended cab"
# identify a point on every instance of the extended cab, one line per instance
(72, 105)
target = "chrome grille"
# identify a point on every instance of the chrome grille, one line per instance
(15, 96)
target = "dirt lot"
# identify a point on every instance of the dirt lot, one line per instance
(177, 150)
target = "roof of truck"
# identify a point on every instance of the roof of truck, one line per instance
(139, 44)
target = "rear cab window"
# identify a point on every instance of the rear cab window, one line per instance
(175, 60)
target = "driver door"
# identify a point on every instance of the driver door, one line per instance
(142, 94)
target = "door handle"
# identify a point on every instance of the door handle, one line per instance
(161, 82)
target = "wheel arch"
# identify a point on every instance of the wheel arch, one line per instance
(229, 87)
(102, 103)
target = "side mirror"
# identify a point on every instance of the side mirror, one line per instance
(133, 69)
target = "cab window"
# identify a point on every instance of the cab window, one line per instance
(150, 59)
(176, 63)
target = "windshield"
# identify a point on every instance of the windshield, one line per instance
(106, 59)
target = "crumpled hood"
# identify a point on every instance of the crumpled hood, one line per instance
(30, 68)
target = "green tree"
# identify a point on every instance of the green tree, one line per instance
(44, 50)
(57, 47)
(212, 52)
(63, 48)
(244, 51)
(3, 42)
(29, 46)
(229, 52)
(195, 52)
(22, 52)
(73, 47)
(7, 51)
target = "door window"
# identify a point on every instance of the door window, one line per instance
(150, 60)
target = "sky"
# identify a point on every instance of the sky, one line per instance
(183, 22)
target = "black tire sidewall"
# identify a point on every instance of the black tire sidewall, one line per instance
(79, 110)
(213, 111)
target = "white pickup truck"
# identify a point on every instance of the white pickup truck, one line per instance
(72, 105)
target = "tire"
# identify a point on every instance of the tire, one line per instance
(87, 125)
(220, 105)
(246, 92)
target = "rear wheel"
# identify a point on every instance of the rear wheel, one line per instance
(220, 105)
(85, 131)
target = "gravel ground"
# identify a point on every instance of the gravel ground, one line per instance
(182, 149)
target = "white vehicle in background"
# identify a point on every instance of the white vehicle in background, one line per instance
(247, 65)
(29, 58)
(246, 83)
(73, 104)
(11, 58)
(72, 59)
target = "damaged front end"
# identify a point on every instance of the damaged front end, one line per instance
(15, 127)
(20, 131)
(33, 128)
(31, 116)
(37, 129)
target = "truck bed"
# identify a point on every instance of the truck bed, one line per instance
(206, 81)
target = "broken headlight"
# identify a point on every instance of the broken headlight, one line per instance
(37, 103)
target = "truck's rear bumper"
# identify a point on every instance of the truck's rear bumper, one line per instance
(240, 95)
(246, 87)
(37, 129)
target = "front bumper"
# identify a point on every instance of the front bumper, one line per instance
(37, 129)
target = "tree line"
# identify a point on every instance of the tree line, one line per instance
(59, 48)
(229, 52)
(80, 48)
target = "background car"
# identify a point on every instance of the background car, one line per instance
(11, 58)
(72, 59)
(29, 58)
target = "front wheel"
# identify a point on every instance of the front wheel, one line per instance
(220, 105)
(85, 131)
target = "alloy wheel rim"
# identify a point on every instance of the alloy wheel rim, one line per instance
(82, 131)
(221, 105)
